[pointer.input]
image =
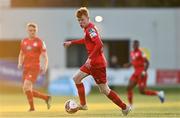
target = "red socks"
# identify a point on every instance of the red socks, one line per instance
(149, 92)
(130, 96)
(112, 96)
(81, 93)
(146, 92)
(115, 98)
(39, 95)
(30, 99)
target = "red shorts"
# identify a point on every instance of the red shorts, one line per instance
(136, 77)
(30, 74)
(99, 74)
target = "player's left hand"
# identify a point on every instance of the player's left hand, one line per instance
(143, 74)
(88, 63)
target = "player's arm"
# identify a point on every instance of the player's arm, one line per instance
(97, 49)
(69, 43)
(98, 46)
(21, 56)
(146, 64)
(80, 41)
(97, 41)
(44, 55)
(20, 59)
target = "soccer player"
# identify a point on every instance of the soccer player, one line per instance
(95, 64)
(140, 64)
(32, 48)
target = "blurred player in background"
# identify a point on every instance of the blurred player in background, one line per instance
(95, 64)
(31, 50)
(140, 64)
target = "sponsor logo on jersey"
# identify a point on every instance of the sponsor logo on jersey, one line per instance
(25, 43)
(92, 33)
(28, 47)
(35, 44)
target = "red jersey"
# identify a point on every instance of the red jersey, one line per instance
(138, 59)
(32, 49)
(94, 46)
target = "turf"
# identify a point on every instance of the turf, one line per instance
(15, 105)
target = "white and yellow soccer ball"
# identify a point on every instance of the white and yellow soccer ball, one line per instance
(71, 106)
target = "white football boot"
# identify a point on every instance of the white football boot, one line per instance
(161, 96)
(83, 107)
(126, 111)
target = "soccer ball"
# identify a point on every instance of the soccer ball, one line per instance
(71, 106)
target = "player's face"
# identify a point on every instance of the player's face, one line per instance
(135, 45)
(83, 21)
(31, 31)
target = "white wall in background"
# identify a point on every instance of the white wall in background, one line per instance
(5, 3)
(178, 38)
(157, 29)
(115, 77)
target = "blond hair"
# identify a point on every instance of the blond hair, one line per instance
(31, 24)
(82, 11)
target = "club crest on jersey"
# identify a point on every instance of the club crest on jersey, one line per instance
(92, 33)
(35, 44)
(134, 55)
(25, 43)
(28, 47)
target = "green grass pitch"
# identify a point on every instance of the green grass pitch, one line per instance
(15, 106)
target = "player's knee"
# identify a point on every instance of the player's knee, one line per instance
(76, 80)
(105, 90)
(26, 87)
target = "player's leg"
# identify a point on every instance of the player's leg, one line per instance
(38, 94)
(132, 83)
(99, 75)
(143, 89)
(78, 77)
(27, 88)
(43, 96)
(113, 96)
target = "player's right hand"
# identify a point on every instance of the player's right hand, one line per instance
(143, 74)
(67, 44)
